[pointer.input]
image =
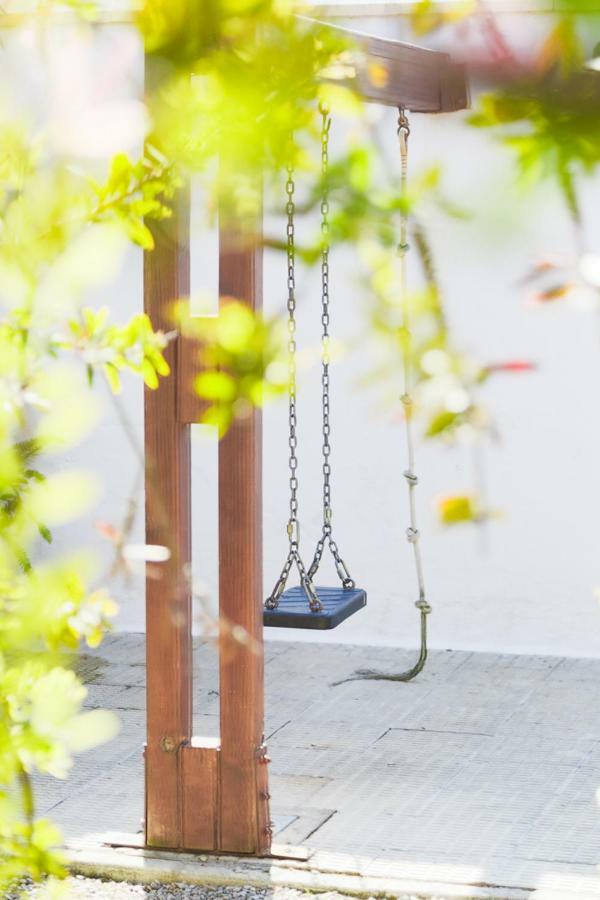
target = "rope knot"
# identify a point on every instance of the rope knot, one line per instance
(411, 477)
(424, 606)
(412, 535)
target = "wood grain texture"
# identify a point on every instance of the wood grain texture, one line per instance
(244, 796)
(455, 89)
(168, 600)
(168, 489)
(200, 775)
(191, 406)
(394, 73)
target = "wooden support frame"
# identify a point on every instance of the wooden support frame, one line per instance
(203, 794)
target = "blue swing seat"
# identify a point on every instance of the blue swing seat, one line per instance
(294, 612)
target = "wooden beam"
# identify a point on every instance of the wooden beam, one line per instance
(244, 811)
(395, 73)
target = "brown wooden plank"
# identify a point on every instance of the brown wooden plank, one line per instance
(191, 406)
(168, 599)
(455, 89)
(200, 774)
(399, 82)
(395, 73)
(244, 796)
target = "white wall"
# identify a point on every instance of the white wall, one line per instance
(531, 589)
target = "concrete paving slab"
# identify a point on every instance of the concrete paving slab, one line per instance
(476, 780)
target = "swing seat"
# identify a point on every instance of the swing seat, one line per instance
(294, 612)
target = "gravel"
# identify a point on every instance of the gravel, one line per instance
(80, 888)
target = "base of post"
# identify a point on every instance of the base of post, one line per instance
(199, 825)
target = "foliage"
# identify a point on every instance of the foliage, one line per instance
(134, 346)
(62, 232)
(135, 191)
(427, 15)
(548, 118)
(240, 360)
(63, 229)
(229, 80)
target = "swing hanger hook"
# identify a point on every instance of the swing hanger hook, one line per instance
(403, 123)
(324, 108)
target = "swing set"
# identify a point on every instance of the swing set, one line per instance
(212, 795)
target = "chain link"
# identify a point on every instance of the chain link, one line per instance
(326, 534)
(293, 526)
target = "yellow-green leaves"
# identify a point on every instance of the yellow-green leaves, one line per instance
(562, 48)
(458, 509)
(48, 724)
(218, 387)
(238, 358)
(135, 191)
(428, 15)
(112, 349)
(549, 119)
(62, 497)
(62, 234)
(341, 99)
(67, 411)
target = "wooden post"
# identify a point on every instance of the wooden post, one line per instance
(168, 522)
(244, 811)
(202, 794)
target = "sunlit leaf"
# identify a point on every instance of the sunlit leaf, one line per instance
(457, 509)
(63, 496)
(90, 729)
(216, 386)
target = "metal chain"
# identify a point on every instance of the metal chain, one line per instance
(293, 526)
(326, 534)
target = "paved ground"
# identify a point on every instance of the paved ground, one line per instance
(482, 772)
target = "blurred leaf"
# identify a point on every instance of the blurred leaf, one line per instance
(63, 496)
(562, 48)
(216, 386)
(443, 421)
(458, 509)
(552, 293)
(429, 15)
(89, 729)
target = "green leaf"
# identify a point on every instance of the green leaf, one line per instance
(149, 375)
(45, 533)
(216, 386)
(443, 421)
(139, 233)
(112, 376)
(62, 497)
